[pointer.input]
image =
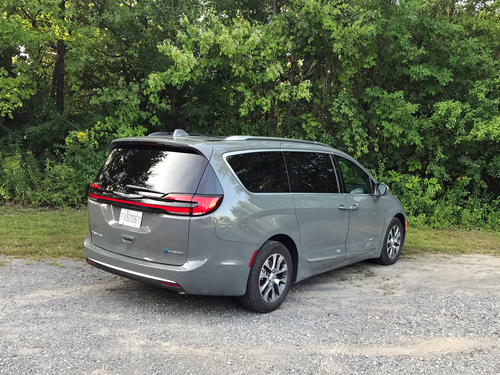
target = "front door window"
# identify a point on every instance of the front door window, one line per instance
(356, 181)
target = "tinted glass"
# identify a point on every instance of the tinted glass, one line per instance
(311, 172)
(153, 168)
(209, 184)
(261, 172)
(356, 181)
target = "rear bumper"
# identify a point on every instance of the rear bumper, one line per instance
(223, 273)
(148, 279)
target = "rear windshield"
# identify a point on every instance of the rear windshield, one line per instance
(157, 169)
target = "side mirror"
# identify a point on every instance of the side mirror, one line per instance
(381, 189)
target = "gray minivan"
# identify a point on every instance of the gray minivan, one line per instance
(236, 216)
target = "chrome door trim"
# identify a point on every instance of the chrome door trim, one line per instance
(325, 258)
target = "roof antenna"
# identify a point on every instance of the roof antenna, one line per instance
(180, 133)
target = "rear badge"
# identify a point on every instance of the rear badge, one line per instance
(173, 252)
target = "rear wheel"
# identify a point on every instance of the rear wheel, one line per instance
(270, 278)
(393, 242)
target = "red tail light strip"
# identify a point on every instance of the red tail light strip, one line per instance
(169, 209)
(204, 204)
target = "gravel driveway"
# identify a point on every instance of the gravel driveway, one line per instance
(429, 315)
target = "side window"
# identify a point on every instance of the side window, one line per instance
(356, 181)
(261, 172)
(311, 172)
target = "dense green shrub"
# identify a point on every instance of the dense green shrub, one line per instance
(411, 88)
(63, 182)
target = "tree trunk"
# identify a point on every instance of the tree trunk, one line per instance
(58, 76)
(57, 92)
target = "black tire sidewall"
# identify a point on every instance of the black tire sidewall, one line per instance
(384, 256)
(253, 295)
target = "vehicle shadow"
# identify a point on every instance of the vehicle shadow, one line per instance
(167, 301)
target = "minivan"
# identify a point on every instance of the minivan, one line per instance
(240, 216)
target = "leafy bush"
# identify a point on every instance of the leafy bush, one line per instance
(63, 182)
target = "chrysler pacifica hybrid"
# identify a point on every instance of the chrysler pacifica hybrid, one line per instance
(236, 216)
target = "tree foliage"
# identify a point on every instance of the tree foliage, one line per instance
(409, 87)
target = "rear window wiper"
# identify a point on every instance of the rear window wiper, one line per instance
(140, 188)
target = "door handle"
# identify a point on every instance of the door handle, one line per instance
(348, 208)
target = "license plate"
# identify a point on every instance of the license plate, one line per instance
(130, 218)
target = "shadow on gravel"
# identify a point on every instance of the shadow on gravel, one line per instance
(149, 297)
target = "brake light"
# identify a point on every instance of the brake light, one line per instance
(194, 205)
(205, 205)
(95, 186)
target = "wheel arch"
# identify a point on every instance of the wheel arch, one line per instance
(289, 243)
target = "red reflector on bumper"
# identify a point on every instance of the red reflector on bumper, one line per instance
(170, 284)
(90, 261)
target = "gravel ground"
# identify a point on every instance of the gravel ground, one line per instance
(430, 315)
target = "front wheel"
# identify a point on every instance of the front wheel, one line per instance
(393, 242)
(270, 278)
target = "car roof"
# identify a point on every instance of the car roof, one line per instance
(207, 144)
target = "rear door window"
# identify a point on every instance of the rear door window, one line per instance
(155, 168)
(261, 172)
(311, 172)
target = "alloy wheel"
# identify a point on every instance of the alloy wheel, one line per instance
(273, 277)
(393, 242)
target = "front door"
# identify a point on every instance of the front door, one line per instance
(366, 212)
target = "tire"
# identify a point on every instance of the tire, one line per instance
(393, 242)
(271, 272)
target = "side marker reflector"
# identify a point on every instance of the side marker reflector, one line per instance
(406, 225)
(251, 260)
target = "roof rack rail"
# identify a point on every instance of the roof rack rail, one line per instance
(160, 134)
(257, 138)
(178, 133)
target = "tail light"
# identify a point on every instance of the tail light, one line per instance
(205, 205)
(175, 204)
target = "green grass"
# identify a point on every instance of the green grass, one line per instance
(422, 241)
(38, 233)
